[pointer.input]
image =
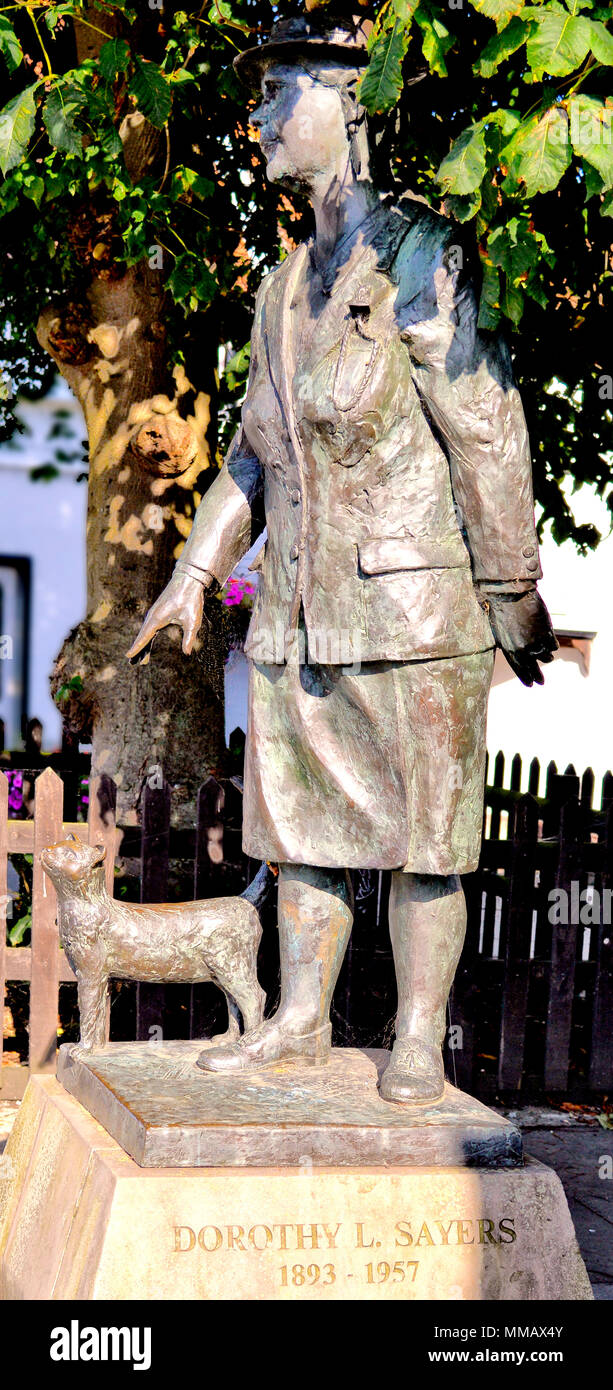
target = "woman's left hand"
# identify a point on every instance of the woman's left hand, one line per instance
(522, 628)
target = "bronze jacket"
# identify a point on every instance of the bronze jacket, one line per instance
(391, 449)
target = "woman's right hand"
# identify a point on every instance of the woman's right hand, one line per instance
(181, 602)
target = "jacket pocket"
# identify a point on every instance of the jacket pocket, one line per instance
(388, 553)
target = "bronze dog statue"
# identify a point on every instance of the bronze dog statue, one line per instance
(215, 939)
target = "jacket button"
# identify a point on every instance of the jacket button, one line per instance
(295, 494)
(528, 550)
(532, 565)
(294, 552)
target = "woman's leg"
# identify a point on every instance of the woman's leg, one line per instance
(315, 916)
(427, 916)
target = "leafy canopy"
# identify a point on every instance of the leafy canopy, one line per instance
(509, 131)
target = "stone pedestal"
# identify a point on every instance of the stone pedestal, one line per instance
(166, 1112)
(79, 1219)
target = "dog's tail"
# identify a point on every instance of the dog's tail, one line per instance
(260, 889)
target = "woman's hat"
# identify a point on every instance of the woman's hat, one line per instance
(340, 39)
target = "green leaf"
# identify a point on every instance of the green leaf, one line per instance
(537, 293)
(75, 684)
(54, 13)
(436, 41)
(151, 89)
(607, 206)
(34, 188)
(188, 180)
(501, 46)
(405, 9)
(381, 84)
(593, 181)
(63, 107)
(114, 58)
(110, 141)
(501, 11)
(463, 168)
(499, 244)
(489, 303)
(591, 133)
(538, 153)
(221, 13)
(16, 128)
(514, 249)
(601, 42)
(191, 282)
(203, 188)
(181, 77)
(236, 369)
(559, 41)
(10, 46)
(507, 121)
(239, 362)
(512, 302)
(463, 207)
(19, 929)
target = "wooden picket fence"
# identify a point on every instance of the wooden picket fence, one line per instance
(42, 964)
(532, 1004)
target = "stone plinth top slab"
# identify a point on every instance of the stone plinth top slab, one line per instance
(165, 1112)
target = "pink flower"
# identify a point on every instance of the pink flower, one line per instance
(238, 590)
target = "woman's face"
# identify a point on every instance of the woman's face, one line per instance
(302, 127)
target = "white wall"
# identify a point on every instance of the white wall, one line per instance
(45, 521)
(569, 718)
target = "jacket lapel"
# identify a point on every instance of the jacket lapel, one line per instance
(279, 338)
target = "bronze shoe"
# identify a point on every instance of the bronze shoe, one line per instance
(271, 1042)
(414, 1072)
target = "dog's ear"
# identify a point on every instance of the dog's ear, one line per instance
(70, 836)
(100, 854)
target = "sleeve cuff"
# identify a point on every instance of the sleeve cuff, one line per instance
(506, 586)
(203, 576)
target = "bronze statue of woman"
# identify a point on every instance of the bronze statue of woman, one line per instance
(389, 442)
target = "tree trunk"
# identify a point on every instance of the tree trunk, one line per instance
(147, 432)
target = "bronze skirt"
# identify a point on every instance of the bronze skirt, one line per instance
(378, 769)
